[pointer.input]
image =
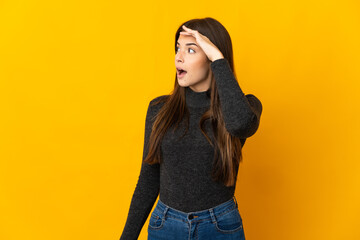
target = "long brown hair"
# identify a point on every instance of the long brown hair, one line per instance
(227, 147)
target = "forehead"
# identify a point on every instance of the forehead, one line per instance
(185, 39)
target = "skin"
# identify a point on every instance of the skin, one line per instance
(196, 59)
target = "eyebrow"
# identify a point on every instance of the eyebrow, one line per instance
(187, 44)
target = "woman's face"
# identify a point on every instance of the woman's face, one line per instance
(191, 58)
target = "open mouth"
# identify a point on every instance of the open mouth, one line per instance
(181, 73)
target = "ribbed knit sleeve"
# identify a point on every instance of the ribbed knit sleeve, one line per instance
(147, 188)
(241, 112)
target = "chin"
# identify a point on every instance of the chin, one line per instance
(182, 83)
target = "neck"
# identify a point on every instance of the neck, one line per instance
(197, 99)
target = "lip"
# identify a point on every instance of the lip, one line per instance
(181, 75)
(178, 72)
(179, 68)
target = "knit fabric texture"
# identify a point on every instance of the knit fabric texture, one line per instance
(183, 178)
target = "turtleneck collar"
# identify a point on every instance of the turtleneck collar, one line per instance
(197, 99)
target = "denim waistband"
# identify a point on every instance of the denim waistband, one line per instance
(210, 213)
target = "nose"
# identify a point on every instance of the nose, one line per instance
(179, 57)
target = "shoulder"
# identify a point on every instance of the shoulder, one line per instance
(158, 100)
(156, 104)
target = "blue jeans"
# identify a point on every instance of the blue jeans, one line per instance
(220, 222)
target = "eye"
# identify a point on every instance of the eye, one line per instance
(177, 48)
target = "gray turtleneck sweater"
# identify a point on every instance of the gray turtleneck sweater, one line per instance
(183, 179)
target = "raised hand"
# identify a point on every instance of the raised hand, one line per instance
(211, 51)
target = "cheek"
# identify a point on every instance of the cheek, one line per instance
(201, 71)
(199, 68)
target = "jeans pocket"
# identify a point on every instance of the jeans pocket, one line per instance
(229, 222)
(156, 220)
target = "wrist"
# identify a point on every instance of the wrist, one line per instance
(217, 57)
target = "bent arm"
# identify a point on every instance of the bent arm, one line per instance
(241, 112)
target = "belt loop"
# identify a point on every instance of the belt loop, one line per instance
(235, 201)
(165, 210)
(213, 219)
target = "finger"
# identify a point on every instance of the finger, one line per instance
(195, 33)
(189, 29)
(185, 27)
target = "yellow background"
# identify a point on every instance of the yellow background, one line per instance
(76, 79)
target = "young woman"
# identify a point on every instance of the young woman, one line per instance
(193, 142)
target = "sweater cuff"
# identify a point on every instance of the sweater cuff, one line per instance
(220, 62)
